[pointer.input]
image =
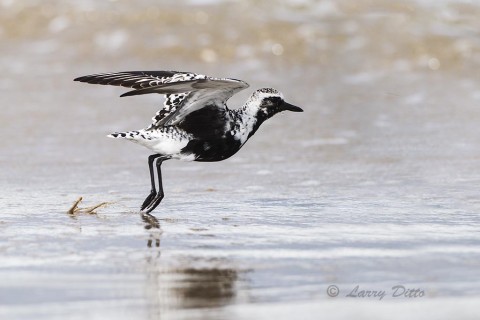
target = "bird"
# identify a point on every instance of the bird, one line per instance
(194, 123)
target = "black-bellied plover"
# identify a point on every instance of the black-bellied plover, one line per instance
(194, 123)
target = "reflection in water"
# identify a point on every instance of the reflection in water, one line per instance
(152, 224)
(150, 221)
(211, 287)
(188, 286)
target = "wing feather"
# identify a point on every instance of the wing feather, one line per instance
(185, 92)
(130, 79)
(213, 91)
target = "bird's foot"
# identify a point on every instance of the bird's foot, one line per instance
(154, 203)
(148, 200)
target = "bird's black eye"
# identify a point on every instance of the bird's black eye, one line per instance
(267, 103)
(270, 102)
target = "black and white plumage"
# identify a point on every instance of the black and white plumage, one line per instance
(194, 123)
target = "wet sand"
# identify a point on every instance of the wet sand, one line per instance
(375, 184)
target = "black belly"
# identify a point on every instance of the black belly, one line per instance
(212, 150)
(212, 142)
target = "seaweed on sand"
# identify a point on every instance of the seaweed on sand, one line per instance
(75, 209)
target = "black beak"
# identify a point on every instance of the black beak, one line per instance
(291, 107)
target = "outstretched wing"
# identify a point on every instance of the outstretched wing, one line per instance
(131, 79)
(185, 92)
(147, 79)
(204, 93)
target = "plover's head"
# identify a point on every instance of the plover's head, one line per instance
(268, 102)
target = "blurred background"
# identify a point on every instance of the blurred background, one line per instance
(376, 183)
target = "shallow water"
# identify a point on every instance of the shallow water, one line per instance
(375, 184)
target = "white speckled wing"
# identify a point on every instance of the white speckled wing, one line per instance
(184, 92)
(206, 92)
(141, 80)
(174, 100)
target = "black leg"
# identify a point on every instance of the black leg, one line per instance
(153, 191)
(158, 198)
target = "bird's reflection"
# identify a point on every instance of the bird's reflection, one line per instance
(192, 282)
(189, 286)
(209, 287)
(152, 225)
(150, 221)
